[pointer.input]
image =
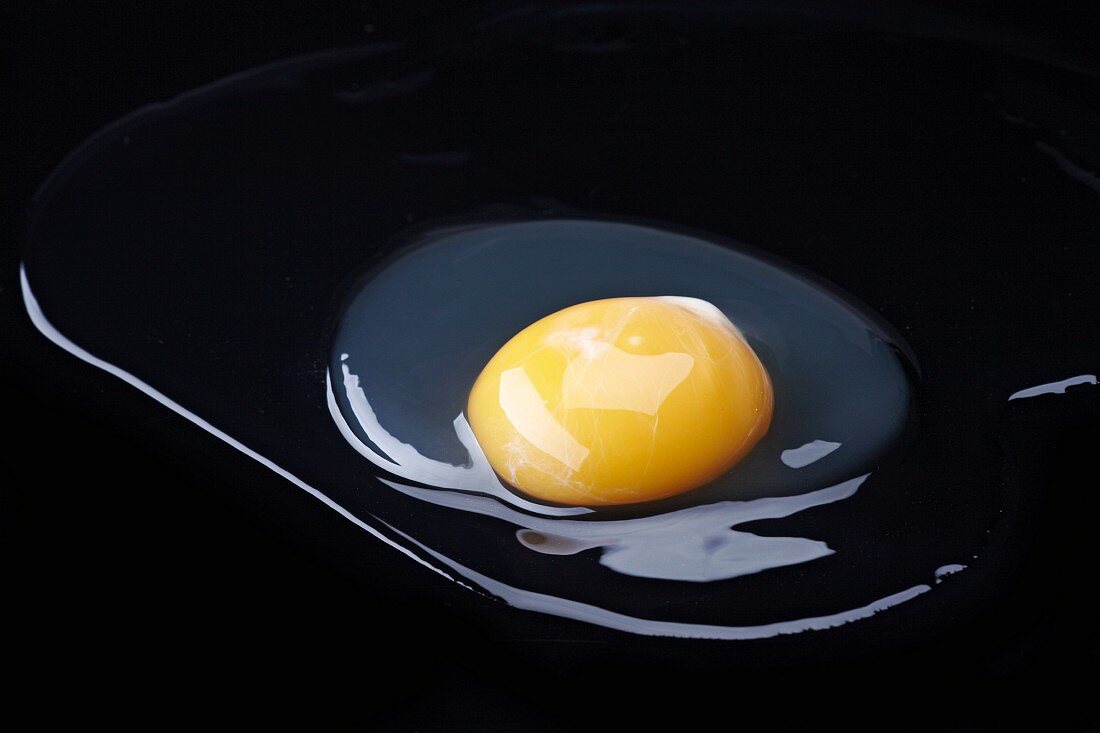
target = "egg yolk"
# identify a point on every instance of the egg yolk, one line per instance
(621, 400)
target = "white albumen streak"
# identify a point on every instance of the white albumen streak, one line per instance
(1053, 387)
(809, 453)
(696, 544)
(944, 570)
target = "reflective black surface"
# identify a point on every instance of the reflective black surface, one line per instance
(945, 186)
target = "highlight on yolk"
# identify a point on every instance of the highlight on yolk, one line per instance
(621, 400)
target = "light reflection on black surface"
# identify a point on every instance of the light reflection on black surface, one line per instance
(200, 249)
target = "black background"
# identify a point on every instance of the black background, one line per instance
(195, 585)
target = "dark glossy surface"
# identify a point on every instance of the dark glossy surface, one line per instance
(221, 228)
(953, 219)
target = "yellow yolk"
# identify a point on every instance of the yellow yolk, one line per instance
(621, 400)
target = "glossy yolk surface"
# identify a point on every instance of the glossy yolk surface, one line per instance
(621, 400)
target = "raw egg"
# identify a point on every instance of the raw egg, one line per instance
(621, 400)
(598, 385)
(612, 367)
